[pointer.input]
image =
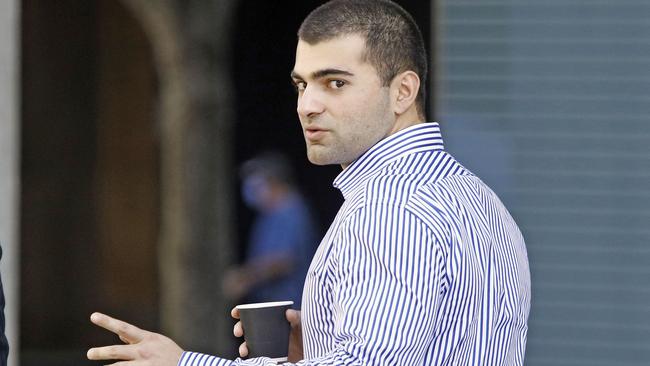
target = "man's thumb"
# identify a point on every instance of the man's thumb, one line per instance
(293, 316)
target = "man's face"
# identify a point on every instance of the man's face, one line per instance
(343, 108)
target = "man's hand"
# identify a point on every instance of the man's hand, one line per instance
(295, 339)
(141, 348)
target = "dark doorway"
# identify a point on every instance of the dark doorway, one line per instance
(89, 177)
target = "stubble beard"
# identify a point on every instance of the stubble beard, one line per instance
(321, 154)
(343, 148)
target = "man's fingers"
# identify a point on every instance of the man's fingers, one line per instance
(243, 350)
(293, 316)
(238, 330)
(122, 352)
(234, 313)
(127, 332)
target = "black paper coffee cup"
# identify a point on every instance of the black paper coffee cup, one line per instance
(266, 329)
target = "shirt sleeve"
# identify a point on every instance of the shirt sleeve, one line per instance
(388, 269)
(200, 359)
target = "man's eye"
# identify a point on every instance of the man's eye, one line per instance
(300, 85)
(336, 84)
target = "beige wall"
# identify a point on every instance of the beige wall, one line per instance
(9, 167)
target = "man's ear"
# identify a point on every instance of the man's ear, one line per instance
(405, 88)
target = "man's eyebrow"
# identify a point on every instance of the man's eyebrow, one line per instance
(322, 73)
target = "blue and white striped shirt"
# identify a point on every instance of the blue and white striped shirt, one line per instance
(423, 265)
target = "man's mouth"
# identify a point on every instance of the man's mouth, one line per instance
(314, 133)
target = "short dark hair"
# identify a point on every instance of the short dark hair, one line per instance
(393, 40)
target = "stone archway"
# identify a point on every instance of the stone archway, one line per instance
(86, 112)
(191, 52)
(89, 198)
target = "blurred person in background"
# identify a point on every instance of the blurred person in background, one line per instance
(282, 239)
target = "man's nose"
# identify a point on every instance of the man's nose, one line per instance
(309, 103)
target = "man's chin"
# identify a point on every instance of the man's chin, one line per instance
(317, 157)
(317, 161)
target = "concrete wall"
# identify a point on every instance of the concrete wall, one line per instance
(9, 166)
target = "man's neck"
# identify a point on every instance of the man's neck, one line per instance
(407, 119)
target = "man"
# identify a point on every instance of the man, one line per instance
(422, 265)
(282, 239)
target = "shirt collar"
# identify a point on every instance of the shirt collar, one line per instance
(417, 138)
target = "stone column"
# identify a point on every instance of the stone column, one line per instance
(9, 167)
(189, 40)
